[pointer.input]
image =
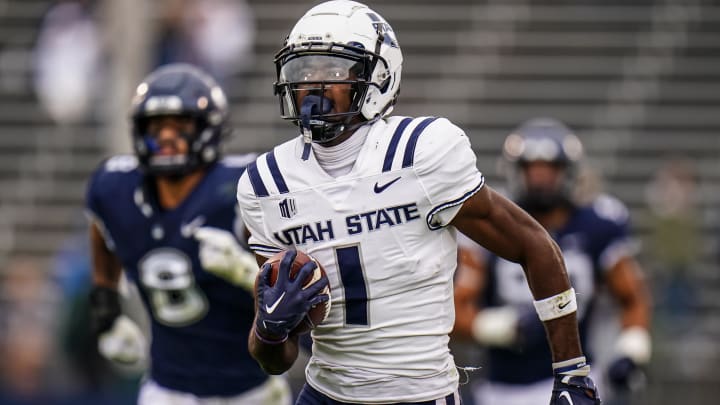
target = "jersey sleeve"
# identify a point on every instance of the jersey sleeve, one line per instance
(236, 165)
(446, 167)
(106, 176)
(95, 206)
(252, 216)
(617, 241)
(92, 193)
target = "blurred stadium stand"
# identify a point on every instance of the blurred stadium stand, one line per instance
(639, 80)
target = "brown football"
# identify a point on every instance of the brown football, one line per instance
(318, 313)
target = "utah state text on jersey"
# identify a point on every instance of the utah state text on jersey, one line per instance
(354, 224)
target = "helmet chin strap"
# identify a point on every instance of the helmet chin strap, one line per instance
(311, 106)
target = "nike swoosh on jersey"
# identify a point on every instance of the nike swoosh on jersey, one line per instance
(566, 395)
(379, 189)
(187, 229)
(270, 309)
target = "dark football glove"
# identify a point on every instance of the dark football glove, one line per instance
(574, 390)
(281, 307)
(120, 339)
(572, 385)
(104, 309)
(625, 375)
(633, 349)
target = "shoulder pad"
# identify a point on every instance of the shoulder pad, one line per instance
(610, 208)
(239, 160)
(120, 163)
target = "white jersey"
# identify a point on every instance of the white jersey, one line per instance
(380, 233)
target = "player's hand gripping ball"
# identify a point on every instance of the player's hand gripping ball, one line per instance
(318, 312)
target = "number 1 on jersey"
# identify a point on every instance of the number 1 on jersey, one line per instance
(353, 280)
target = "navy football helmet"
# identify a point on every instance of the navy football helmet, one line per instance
(179, 90)
(546, 140)
(338, 43)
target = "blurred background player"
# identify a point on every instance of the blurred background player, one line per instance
(493, 306)
(377, 199)
(216, 35)
(166, 215)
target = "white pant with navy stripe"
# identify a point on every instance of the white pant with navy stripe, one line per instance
(275, 391)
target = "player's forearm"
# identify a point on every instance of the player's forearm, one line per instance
(548, 277)
(465, 298)
(470, 278)
(635, 313)
(106, 275)
(627, 284)
(274, 358)
(464, 315)
(563, 338)
(545, 268)
(106, 269)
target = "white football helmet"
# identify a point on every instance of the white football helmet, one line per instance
(338, 42)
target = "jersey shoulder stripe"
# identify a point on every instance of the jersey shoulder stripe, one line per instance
(394, 141)
(256, 180)
(405, 142)
(275, 172)
(409, 156)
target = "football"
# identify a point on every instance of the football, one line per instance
(318, 313)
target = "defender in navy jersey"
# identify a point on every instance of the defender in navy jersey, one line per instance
(495, 309)
(377, 200)
(168, 217)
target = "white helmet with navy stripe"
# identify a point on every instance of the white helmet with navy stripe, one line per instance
(362, 50)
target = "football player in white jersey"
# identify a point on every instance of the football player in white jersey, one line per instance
(542, 157)
(377, 201)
